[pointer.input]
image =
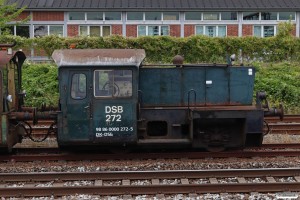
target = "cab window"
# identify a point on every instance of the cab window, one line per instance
(113, 83)
(78, 88)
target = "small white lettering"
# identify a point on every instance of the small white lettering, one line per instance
(108, 131)
(105, 134)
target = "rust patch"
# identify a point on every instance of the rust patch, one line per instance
(83, 57)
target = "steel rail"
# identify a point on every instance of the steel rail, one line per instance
(162, 174)
(68, 156)
(149, 189)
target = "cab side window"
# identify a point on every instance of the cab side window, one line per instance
(113, 83)
(78, 86)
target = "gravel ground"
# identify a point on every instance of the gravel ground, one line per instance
(161, 164)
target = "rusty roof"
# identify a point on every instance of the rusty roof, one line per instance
(98, 57)
(150, 5)
(5, 57)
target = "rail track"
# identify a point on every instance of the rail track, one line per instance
(55, 154)
(289, 125)
(150, 182)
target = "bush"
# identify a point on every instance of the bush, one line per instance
(281, 81)
(41, 84)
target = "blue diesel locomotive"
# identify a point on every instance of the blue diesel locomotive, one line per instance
(110, 99)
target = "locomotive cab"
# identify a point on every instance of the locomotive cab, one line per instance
(98, 96)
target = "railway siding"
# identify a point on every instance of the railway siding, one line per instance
(150, 182)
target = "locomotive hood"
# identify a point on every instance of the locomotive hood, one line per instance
(107, 57)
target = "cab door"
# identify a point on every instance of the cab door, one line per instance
(114, 106)
(75, 93)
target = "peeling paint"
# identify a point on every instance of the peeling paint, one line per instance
(105, 57)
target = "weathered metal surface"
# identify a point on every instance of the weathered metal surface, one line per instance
(8, 45)
(200, 86)
(97, 57)
(5, 57)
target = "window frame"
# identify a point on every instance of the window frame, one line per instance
(262, 30)
(47, 30)
(76, 86)
(147, 30)
(126, 74)
(88, 34)
(204, 27)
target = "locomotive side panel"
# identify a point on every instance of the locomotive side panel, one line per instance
(212, 103)
(242, 85)
(160, 86)
(202, 86)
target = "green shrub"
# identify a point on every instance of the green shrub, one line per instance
(281, 81)
(41, 84)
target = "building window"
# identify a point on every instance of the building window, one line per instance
(78, 87)
(40, 30)
(287, 15)
(94, 15)
(112, 15)
(76, 16)
(228, 15)
(43, 30)
(250, 15)
(264, 31)
(211, 16)
(153, 15)
(135, 15)
(152, 30)
(193, 16)
(22, 31)
(94, 31)
(211, 31)
(269, 16)
(170, 16)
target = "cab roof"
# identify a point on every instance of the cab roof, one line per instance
(98, 57)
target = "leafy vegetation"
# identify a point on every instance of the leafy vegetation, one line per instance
(281, 81)
(41, 84)
(9, 13)
(195, 49)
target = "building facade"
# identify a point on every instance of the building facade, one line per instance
(177, 18)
